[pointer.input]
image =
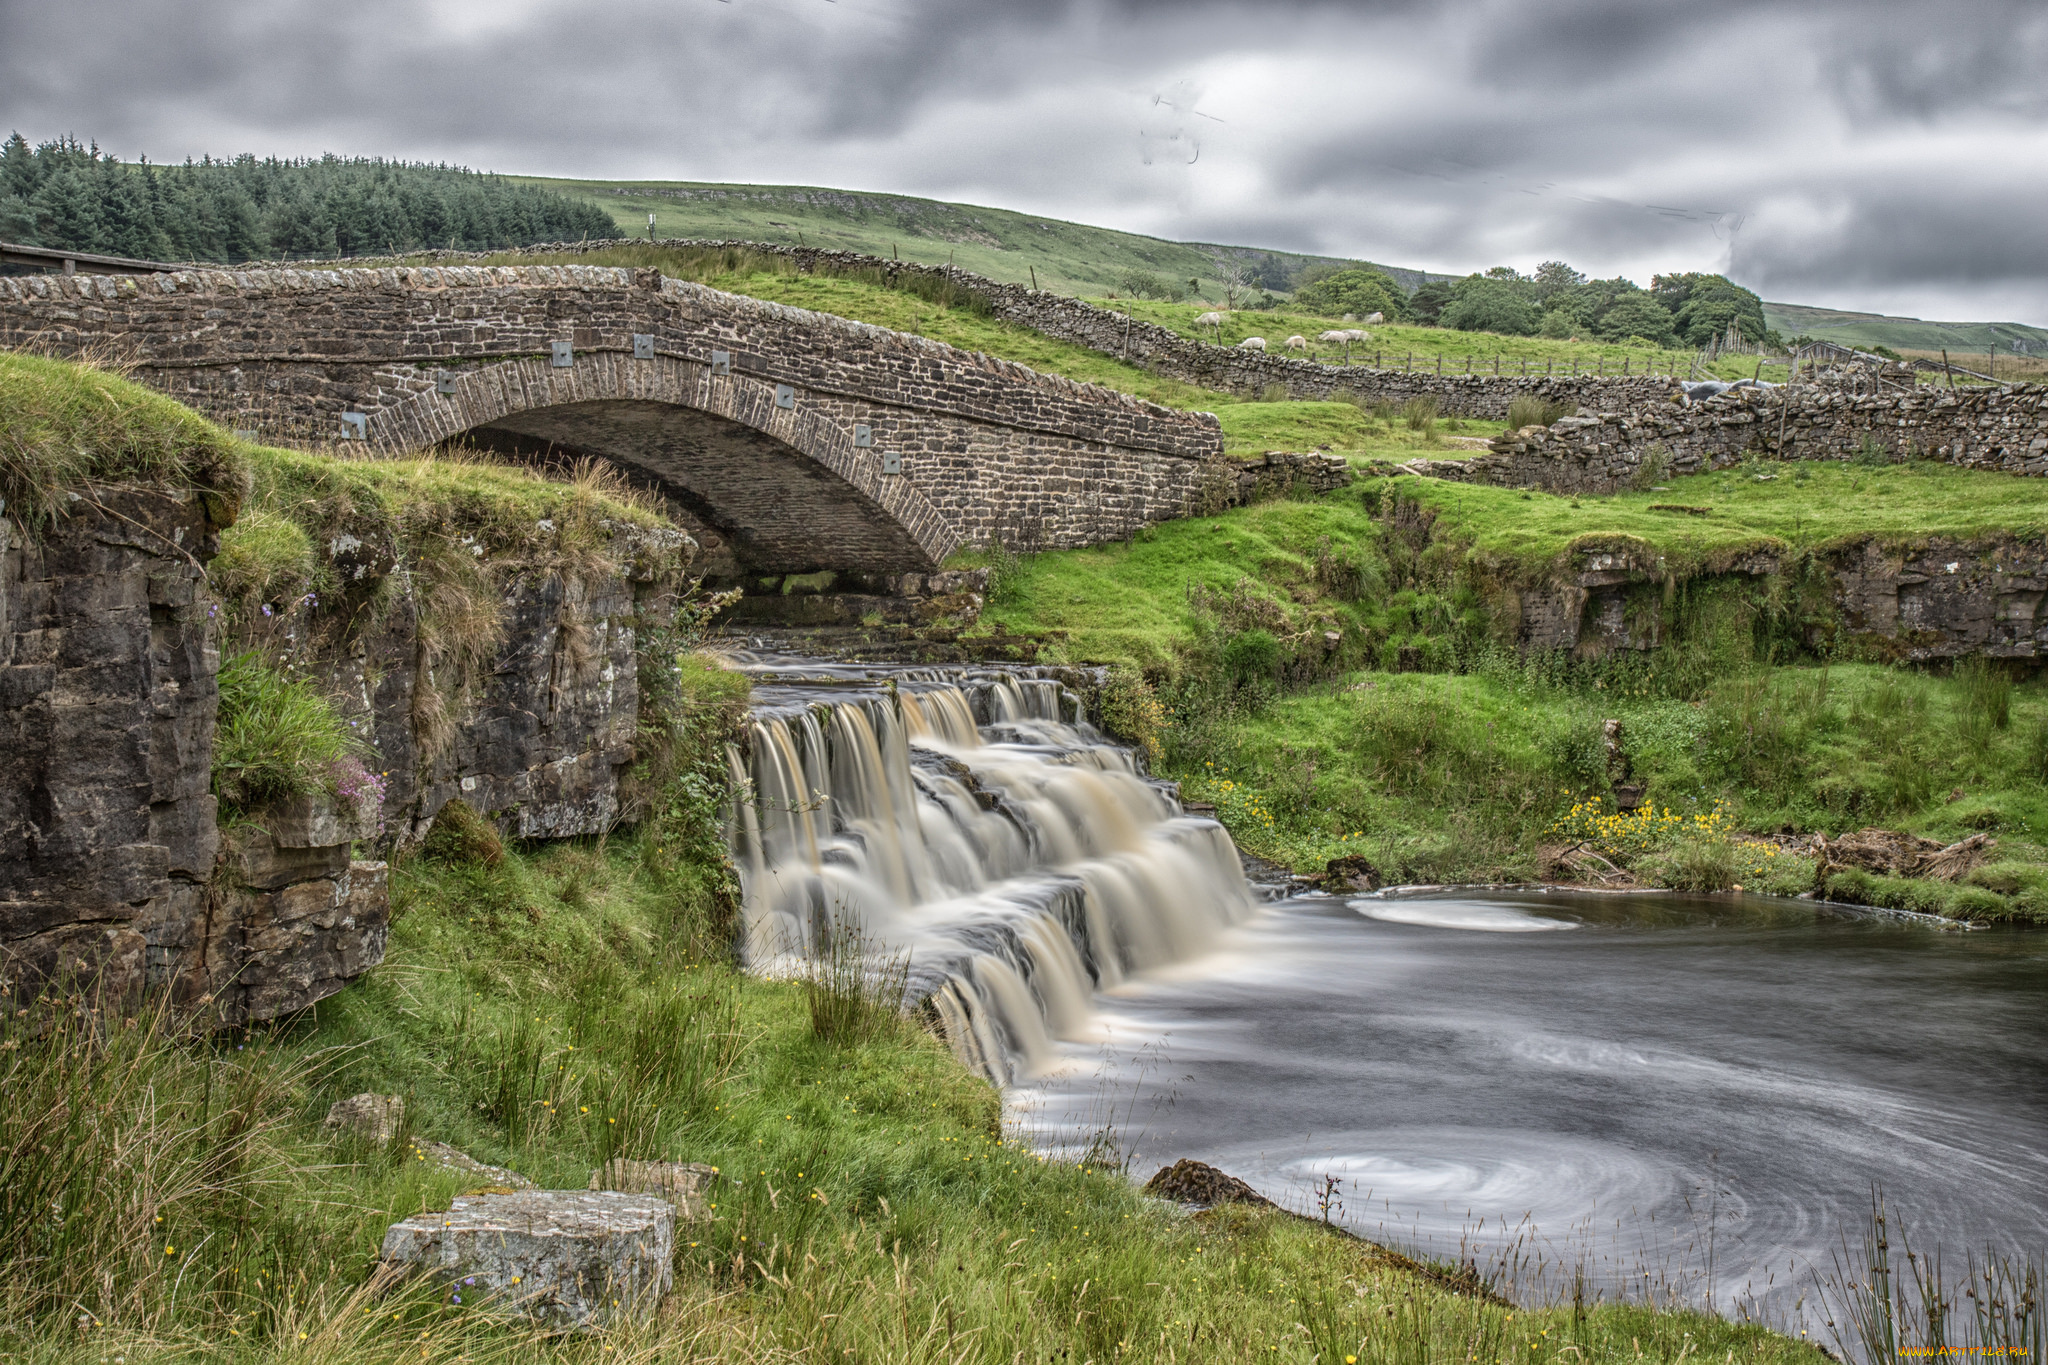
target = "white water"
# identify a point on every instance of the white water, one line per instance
(974, 821)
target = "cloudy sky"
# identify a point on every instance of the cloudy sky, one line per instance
(1852, 153)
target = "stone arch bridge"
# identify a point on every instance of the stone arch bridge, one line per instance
(788, 441)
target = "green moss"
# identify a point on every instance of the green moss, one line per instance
(67, 426)
(459, 835)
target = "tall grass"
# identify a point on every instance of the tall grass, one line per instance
(1534, 410)
(277, 737)
(137, 1168)
(1886, 1302)
(855, 989)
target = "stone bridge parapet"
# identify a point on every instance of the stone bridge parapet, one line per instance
(792, 440)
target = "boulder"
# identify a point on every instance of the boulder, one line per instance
(682, 1183)
(373, 1118)
(567, 1258)
(1196, 1182)
(1350, 873)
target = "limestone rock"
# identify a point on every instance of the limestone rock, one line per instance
(682, 1183)
(569, 1258)
(373, 1118)
(490, 1179)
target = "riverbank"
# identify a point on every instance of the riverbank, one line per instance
(1345, 676)
(543, 1008)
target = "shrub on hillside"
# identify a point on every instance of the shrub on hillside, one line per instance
(1484, 305)
(461, 836)
(1358, 292)
(1637, 315)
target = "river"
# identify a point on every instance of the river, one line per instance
(1688, 1097)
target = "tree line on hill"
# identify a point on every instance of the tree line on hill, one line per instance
(1689, 309)
(67, 194)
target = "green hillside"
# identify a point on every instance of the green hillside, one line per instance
(1074, 258)
(1904, 334)
(1015, 248)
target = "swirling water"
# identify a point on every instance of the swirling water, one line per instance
(1692, 1096)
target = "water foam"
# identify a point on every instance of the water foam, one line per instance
(977, 822)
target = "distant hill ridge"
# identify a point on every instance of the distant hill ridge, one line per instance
(1001, 244)
(1076, 258)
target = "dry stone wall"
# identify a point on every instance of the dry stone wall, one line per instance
(2005, 430)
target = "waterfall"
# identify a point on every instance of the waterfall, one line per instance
(975, 821)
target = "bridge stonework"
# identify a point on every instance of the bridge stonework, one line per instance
(745, 414)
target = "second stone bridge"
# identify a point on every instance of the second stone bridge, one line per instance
(788, 441)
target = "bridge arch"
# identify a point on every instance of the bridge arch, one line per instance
(786, 487)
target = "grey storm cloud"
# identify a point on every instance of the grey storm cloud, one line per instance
(1857, 153)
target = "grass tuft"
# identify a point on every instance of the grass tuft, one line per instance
(66, 426)
(277, 738)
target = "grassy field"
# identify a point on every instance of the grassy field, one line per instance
(1399, 346)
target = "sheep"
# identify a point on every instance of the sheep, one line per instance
(1344, 337)
(1372, 318)
(1252, 344)
(1297, 343)
(1210, 320)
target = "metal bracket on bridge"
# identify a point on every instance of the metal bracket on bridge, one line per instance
(785, 396)
(444, 382)
(643, 346)
(863, 435)
(565, 354)
(721, 362)
(355, 426)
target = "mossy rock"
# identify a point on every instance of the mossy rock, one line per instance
(460, 835)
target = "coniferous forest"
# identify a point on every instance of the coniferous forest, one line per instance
(65, 193)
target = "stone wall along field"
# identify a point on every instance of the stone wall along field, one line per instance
(2002, 430)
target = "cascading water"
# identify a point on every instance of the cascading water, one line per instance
(975, 821)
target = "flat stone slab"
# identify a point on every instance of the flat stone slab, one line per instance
(569, 1258)
(462, 1163)
(681, 1183)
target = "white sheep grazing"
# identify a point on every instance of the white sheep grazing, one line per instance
(1297, 343)
(1252, 344)
(1371, 318)
(1210, 320)
(1357, 334)
(1336, 337)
